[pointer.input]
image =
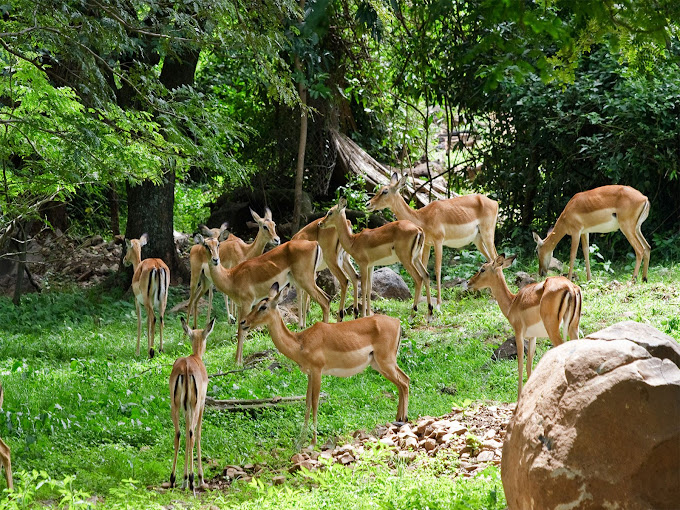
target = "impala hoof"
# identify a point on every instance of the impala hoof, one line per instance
(152, 353)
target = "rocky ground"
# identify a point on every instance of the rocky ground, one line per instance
(474, 435)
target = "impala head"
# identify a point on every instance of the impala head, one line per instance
(198, 337)
(211, 245)
(335, 213)
(267, 226)
(489, 272)
(133, 249)
(263, 310)
(384, 197)
(544, 255)
(216, 233)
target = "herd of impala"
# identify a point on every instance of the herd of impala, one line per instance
(254, 281)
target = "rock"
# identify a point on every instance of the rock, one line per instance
(279, 480)
(522, 279)
(429, 444)
(651, 339)
(328, 283)
(485, 456)
(456, 281)
(555, 265)
(508, 350)
(597, 426)
(388, 284)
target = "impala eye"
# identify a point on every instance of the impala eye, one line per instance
(482, 270)
(262, 308)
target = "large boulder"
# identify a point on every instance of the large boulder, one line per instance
(388, 284)
(597, 426)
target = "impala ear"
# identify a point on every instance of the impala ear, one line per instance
(509, 260)
(128, 244)
(537, 238)
(273, 290)
(205, 230)
(395, 179)
(198, 239)
(278, 294)
(144, 238)
(499, 260)
(402, 182)
(256, 216)
(208, 328)
(185, 326)
(267, 214)
(342, 203)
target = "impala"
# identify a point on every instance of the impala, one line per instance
(5, 452)
(249, 281)
(342, 349)
(233, 250)
(150, 282)
(188, 387)
(603, 209)
(399, 241)
(200, 275)
(455, 222)
(336, 260)
(537, 310)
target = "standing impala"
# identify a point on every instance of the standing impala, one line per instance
(537, 310)
(150, 283)
(455, 222)
(234, 250)
(200, 275)
(249, 281)
(603, 209)
(342, 349)
(188, 388)
(399, 241)
(336, 260)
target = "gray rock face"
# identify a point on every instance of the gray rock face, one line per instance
(389, 285)
(597, 426)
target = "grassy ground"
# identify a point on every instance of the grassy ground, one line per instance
(88, 423)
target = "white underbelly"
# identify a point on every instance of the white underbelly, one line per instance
(608, 226)
(386, 261)
(536, 330)
(461, 236)
(351, 363)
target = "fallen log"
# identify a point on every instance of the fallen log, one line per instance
(253, 403)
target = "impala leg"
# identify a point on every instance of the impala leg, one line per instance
(174, 413)
(316, 390)
(339, 273)
(210, 299)
(308, 409)
(150, 328)
(240, 336)
(639, 248)
(585, 246)
(438, 255)
(369, 290)
(422, 270)
(519, 343)
(317, 295)
(188, 450)
(354, 277)
(530, 355)
(391, 371)
(572, 256)
(646, 250)
(302, 307)
(6, 459)
(161, 312)
(199, 427)
(138, 307)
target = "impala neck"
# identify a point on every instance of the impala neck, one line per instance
(256, 248)
(555, 235)
(284, 339)
(222, 278)
(344, 231)
(135, 258)
(402, 210)
(501, 293)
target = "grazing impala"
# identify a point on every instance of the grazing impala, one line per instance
(234, 250)
(342, 349)
(455, 222)
(249, 281)
(603, 209)
(188, 387)
(537, 310)
(399, 241)
(336, 260)
(200, 275)
(5, 452)
(150, 282)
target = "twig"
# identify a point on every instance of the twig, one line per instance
(254, 403)
(220, 374)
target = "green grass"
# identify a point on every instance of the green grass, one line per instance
(78, 402)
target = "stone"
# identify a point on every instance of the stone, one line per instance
(485, 456)
(508, 350)
(429, 444)
(523, 279)
(597, 426)
(388, 284)
(279, 480)
(328, 283)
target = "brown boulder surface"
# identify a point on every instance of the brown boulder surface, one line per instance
(597, 426)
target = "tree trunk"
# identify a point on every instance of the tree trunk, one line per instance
(302, 146)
